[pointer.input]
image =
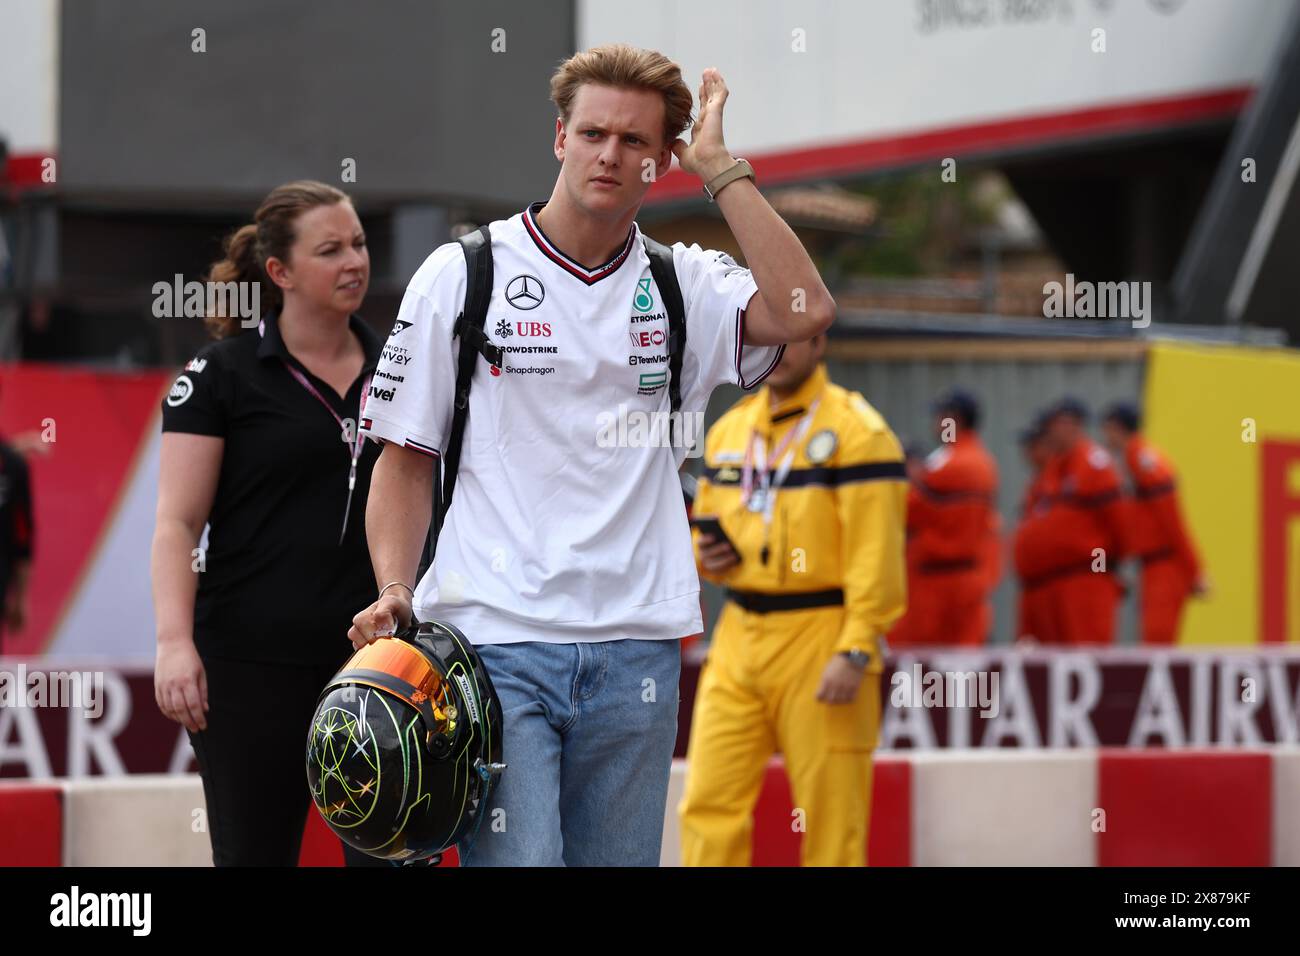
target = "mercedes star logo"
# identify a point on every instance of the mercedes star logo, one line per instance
(525, 292)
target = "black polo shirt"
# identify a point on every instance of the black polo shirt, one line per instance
(277, 585)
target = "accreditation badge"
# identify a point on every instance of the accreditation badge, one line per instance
(821, 446)
(757, 500)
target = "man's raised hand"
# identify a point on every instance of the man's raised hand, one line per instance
(706, 154)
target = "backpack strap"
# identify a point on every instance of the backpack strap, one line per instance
(474, 342)
(665, 276)
(477, 247)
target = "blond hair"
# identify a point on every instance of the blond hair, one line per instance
(621, 65)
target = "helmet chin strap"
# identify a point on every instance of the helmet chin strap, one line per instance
(489, 773)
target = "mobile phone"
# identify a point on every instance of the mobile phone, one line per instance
(711, 526)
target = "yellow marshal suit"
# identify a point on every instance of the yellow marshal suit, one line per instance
(837, 524)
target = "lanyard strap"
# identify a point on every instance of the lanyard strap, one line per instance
(770, 481)
(358, 439)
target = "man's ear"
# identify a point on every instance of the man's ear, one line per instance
(664, 162)
(559, 138)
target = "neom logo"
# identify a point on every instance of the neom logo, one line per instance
(645, 339)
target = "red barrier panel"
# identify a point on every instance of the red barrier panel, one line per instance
(889, 841)
(1185, 808)
(94, 423)
(31, 826)
(320, 847)
(776, 842)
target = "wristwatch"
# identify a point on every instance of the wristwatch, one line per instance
(739, 170)
(857, 658)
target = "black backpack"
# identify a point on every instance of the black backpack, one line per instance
(474, 342)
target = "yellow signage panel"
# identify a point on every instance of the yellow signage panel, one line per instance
(1229, 419)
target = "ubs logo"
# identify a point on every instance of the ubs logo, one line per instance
(525, 292)
(524, 329)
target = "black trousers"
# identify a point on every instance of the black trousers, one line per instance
(253, 759)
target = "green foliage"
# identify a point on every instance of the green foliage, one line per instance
(923, 223)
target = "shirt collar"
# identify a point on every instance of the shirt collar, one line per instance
(572, 266)
(793, 406)
(272, 345)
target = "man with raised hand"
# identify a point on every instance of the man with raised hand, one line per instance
(566, 558)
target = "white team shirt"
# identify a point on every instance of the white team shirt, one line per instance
(557, 530)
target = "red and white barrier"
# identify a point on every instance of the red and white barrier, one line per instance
(1019, 808)
(1107, 807)
(1286, 807)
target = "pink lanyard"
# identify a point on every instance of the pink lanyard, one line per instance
(756, 460)
(357, 442)
(770, 480)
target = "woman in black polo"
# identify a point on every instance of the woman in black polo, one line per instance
(260, 443)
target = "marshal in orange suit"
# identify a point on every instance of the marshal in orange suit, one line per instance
(1033, 619)
(1068, 550)
(952, 533)
(1157, 534)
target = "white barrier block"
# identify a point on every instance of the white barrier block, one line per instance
(1286, 806)
(670, 854)
(140, 820)
(1004, 808)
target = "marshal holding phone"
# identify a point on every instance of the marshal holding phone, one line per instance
(801, 509)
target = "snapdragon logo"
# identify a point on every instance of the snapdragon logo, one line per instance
(926, 688)
(1098, 300)
(632, 428)
(75, 908)
(64, 689)
(238, 300)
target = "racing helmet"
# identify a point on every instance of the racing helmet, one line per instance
(405, 745)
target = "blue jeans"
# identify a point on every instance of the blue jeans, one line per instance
(588, 744)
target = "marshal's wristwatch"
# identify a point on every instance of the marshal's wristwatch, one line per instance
(857, 658)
